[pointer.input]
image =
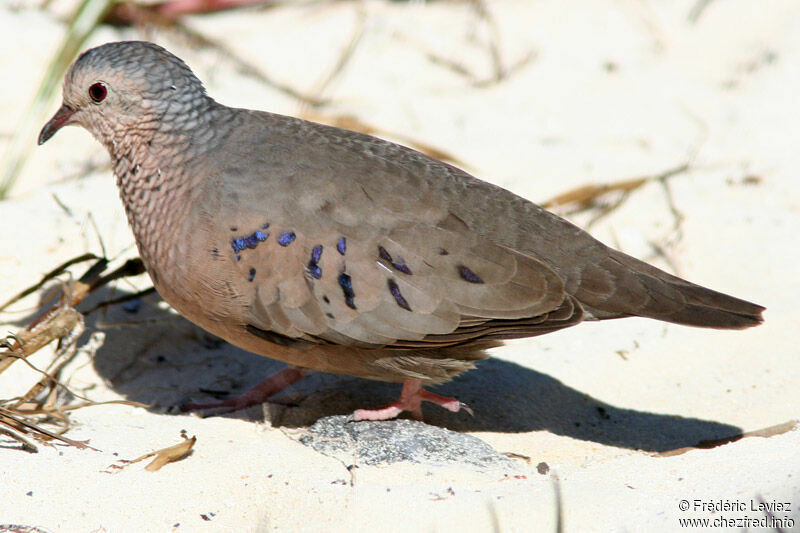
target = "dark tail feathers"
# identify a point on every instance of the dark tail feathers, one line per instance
(676, 300)
(711, 309)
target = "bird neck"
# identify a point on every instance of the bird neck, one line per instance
(154, 167)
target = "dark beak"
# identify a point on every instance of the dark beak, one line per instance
(59, 120)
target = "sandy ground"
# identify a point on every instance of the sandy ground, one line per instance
(596, 93)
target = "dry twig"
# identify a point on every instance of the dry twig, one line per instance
(48, 400)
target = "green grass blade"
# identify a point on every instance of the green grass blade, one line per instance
(87, 17)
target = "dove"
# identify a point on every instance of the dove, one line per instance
(335, 251)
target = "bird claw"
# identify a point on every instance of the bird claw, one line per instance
(411, 398)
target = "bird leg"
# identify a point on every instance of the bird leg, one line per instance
(411, 398)
(259, 394)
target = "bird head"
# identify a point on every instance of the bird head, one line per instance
(122, 88)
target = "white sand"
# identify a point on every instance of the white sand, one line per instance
(615, 90)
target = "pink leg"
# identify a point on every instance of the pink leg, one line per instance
(411, 399)
(258, 394)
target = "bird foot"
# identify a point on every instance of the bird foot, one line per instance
(257, 395)
(411, 399)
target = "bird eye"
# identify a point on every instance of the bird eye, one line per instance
(97, 92)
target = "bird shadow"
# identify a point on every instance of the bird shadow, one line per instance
(153, 356)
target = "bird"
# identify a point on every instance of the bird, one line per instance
(336, 251)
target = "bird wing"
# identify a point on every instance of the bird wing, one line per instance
(356, 246)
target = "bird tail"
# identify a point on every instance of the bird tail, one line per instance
(706, 308)
(672, 299)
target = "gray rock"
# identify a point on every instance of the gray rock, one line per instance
(387, 442)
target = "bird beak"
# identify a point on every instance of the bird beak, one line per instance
(59, 120)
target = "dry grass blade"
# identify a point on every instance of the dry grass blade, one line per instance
(588, 196)
(27, 445)
(249, 69)
(606, 197)
(8, 418)
(58, 322)
(64, 354)
(163, 456)
(499, 70)
(17, 528)
(60, 269)
(84, 21)
(47, 401)
(344, 58)
(62, 319)
(599, 200)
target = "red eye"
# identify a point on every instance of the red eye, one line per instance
(97, 92)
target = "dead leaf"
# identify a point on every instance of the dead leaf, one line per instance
(162, 456)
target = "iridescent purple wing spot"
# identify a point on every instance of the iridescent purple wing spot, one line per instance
(315, 271)
(251, 241)
(402, 267)
(316, 253)
(313, 267)
(238, 245)
(285, 239)
(398, 297)
(347, 288)
(399, 265)
(468, 275)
